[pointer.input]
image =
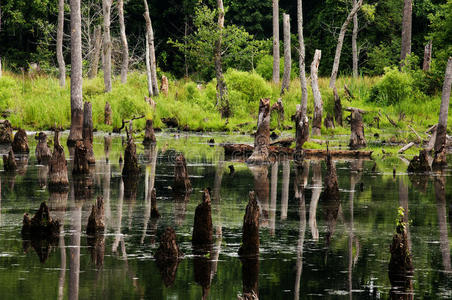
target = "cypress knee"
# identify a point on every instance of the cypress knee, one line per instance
(20, 142)
(96, 222)
(9, 162)
(149, 135)
(182, 183)
(250, 235)
(6, 132)
(202, 228)
(42, 152)
(131, 167)
(262, 138)
(58, 167)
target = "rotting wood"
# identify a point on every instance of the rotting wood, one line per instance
(262, 137)
(81, 165)
(405, 148)
(96, 220)
(419, 163)
(357, 137)
(41, 225)
(202, 228)
(131, 167)
(88, 132)
(284, 142)
(328, 122)
(427, 56)
(168, 255)
(318, 103)
(20, 142)
(417, 134)
(301, 131)
(6, 132)
(337, 107)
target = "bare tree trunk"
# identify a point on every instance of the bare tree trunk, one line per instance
(318, 103)
(106, 8)
(96, 52)
(301, 133)
(354, 44)
(340, 42)
(427, 56)
(60, 33)
(287, 55)
(76, 74)
(406, 29)
(125, 47)
(276, 41)
(222, 90)
(262, 137)
(148, 68)
(440, 143)
(302, 63)
(152, 62)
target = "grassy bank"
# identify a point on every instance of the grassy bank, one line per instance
(39, 103)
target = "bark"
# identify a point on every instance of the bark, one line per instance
(9, 162)
(76, 75)
(20, 142)
(202, 228)
(94, 63)
(441, 130)
(58, 179)
(222, 90)
(125, 46)
(131, 168)
(302, 63)
(107, 114)
(354, 44)
(357, 138)
(59, 45)
(42, 152)
(340, 42)
(107, 45)
(164, 87)
(96, 220)
(152, 63)
(318, 103)
(427, 56)
(337, 108)
(148, 68)
(301, 132)
(182, 183)
(328, 122)
(262, 137)
(275, 41)
(88, 132)
(406, 29)
(149, 135)
(250, 235)
(6, 132)
(287, 55)
(81, 165)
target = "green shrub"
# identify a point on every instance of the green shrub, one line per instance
(264, 68)
(394, 87)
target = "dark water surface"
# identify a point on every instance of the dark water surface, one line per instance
(305, 253)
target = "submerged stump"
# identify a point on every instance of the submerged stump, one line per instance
(9, 162)
(167, 256)
(41, 226)
(154, 210)
(96, 220)
(262, 138)
(357, 138)
(250, 234)
(182, 182)
(20, 142)
(58, 179)
(81, 165)
(420, 164)
(6, 132)
(202, 228)
(42, 152)
(149, 135)
(131, 167)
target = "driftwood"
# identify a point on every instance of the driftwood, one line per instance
(405, 148)
(6, 132)
(181, 183)
(9, 162)
(107, 114)
(357, 138)
(202, 228)
(337, 107)
(41, 225)
(250, 234)
(149, 135)
(20, 142)
(168, 255)
(419, 164)
(42, 152)
(58, 179)
(96, 222)
(262, 137)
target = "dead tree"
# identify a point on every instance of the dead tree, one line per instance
(150, 37)
(41, 226)
(441, 130)
(9, 162)
(59, 45)
(76, 75)
(318, 103)
(96, 220)
(6, 132)
(107, 45)
(164, 87)
(107, 114)
(250, 234)
(406, 29)
(149, 135)
(287, 55)
(354, 44)
(337, 108)
(202, 228)
(181, 183)
(42, 152)
(262, 137)
(125, 46)
(148, 67)
(275, 41)
(58, 179)
(357, 138)
(420, 164)
(427, 56)
(88, 132)
(20, 142)
(302, 63)
(340, 42)
(222, 89)
(94, 58)
(301, 132)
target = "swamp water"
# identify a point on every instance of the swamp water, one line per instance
(308, 249)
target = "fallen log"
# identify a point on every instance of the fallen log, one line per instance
(405, 148)
(285, 142)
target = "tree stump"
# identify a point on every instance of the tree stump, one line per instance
(42, 152)
(262, 138)
(419, 164)
(164, 86)
(168, 255)
(20, 142)
(149, 135)
(182, 183)
(9, 162)
(107, 114)
(330, 197)
(96, 222)
(131, 167)
(41, 225)
(6, 132)
(337, 107)
(301, 132)
(357, 138)
(318, 103)
(58, 179)
(81, 165)
(154, 210)
(250, 234)
(202, 228)
(328, 122)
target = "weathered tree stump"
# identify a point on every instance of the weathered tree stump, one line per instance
(131, 167)
(154, 210)
(149, 135)
(250, 235)
(357, 138)
(6, 132)
(262, 138)
(337, 107)
(328, 122)
(107, 114)
(318, 103)
(167, 256)
(41, 225)
(181, 183)
(81, 165)
(88, 132)
(20, 142)
(420, 164)
(301, 132)
(58, 179)
(202, 228)
(164, 86)
(96, 222)
(9, 162)
(331, 198)
(42, 152)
